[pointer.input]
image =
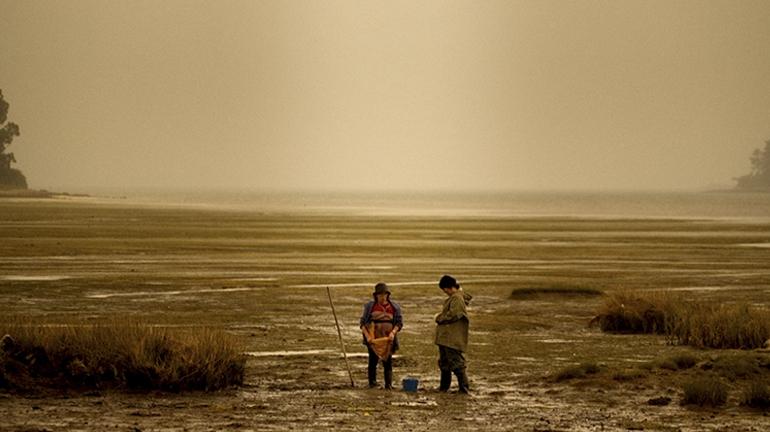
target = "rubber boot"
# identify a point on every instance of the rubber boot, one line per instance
(446, 380)
(372, 372)
(388, 376)
(462, 381)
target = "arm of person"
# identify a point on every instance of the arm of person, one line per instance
(398, 323)
(455, 312)
(364, 323)
(367, 335)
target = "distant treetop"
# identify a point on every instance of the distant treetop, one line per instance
(759, 177)
(10, 178)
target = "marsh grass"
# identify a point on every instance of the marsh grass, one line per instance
(705, 391)
(678, 362)
(631, 312)
(698, 324)
(756, 395)
(629, 375)
(560, 291)
(704, 325)
(579, 371)
(127, 355)
(734, 366)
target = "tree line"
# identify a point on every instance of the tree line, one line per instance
(10, 178)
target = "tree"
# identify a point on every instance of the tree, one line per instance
(759, 177)
(10, 178)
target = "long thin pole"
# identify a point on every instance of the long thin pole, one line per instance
(339, 333)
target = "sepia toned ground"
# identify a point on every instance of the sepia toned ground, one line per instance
(263, 277)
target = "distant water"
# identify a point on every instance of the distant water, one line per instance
(695, 205)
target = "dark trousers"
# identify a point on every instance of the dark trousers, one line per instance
(387, 366)
(450, 359)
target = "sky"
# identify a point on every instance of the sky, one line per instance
(386, 95)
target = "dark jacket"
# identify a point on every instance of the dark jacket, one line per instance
(366, 318)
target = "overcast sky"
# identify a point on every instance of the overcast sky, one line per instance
(386, 94)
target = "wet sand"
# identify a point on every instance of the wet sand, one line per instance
(262, 276)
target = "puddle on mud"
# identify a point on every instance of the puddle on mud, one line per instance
(422, 402)
(289, 353)
(171, 293)
(255, 279)
(556, 341)
(19, 278)
(755, 245)
(707, 288)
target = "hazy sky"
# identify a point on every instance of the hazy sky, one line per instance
(386, 94)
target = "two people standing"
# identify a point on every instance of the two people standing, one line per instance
(381, 321)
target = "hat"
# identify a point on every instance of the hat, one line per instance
(447, 282)
(381, 288)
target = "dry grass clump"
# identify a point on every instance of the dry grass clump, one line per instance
(757, 395)
(705, 391)
(722, 326)
(631, 312)
(580, 371)
(735, 366)
(679, 362)
(698, 324)
(629, 375)
(123, 355)
(561, 291)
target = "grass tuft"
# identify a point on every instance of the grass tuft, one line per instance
(736, 326)
(580, 371)
(702, 325)
(629, 312)
(679, 362)
(118, 354)
(757, 395)
(628, 375)
(705, 391)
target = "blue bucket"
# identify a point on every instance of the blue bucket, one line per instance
(410, 384)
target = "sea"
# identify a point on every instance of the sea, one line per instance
(712, 205)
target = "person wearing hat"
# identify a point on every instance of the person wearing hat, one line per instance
(452, 334)
(380, 323)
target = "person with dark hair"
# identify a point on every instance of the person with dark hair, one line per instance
(380, 323)
(452, 334)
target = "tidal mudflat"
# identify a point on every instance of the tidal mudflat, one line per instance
(263, 275)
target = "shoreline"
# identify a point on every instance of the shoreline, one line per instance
(36, 193)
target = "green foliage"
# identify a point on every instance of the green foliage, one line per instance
(705, 391)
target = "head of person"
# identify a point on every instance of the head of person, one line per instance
(381, 293)
(448, 284)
